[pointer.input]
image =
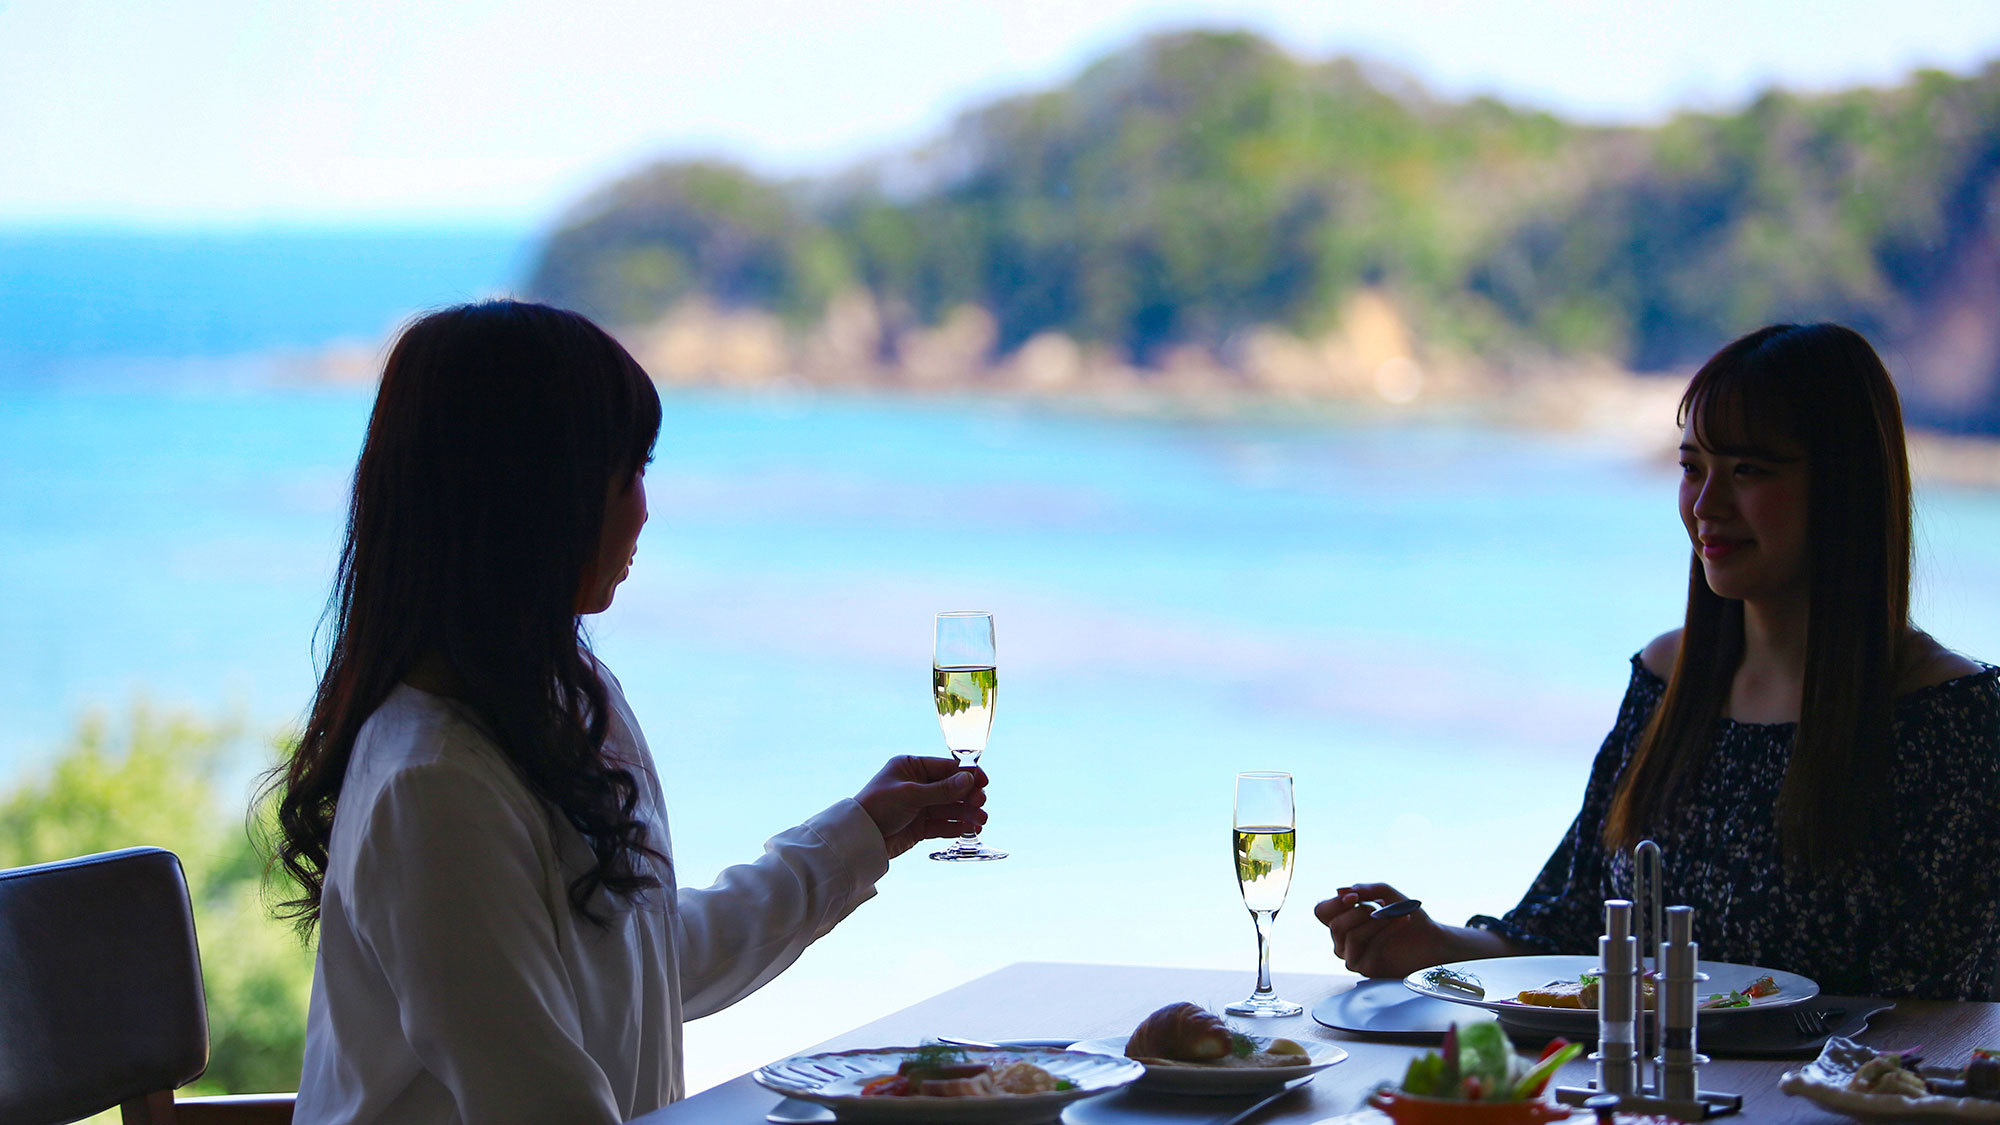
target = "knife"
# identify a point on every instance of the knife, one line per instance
(1260, 1104)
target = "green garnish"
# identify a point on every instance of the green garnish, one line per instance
(1065, 1084)
(1242, 1046)
(1530, 1084)
(1455, 981)
(931, 1056)
(1425, 1076)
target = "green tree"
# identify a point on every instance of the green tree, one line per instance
(180, 782)
(679, 229)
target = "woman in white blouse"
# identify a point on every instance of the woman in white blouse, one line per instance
(472, 814)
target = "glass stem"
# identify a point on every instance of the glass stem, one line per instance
(1264, 918)
(969, 841)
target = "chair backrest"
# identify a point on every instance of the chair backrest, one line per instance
(100, 985)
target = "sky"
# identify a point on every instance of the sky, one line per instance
(241, 112)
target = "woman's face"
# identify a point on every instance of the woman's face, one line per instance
(617, 543)
(1744, 506)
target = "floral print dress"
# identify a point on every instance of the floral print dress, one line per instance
(1920, 916)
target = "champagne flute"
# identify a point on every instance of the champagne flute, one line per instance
(963, 684)
(1265, 837)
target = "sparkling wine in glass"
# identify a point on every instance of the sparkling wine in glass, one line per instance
(963, 681)
(1265, 837)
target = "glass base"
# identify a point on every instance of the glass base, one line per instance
(968, 853)
(1264, 1007)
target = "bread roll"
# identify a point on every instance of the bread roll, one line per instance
(1184, 1032)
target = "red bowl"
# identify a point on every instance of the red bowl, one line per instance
(1409, 1109)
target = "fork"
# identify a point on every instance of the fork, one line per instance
(1811, 1024)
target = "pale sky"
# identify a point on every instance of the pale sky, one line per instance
(227, 112)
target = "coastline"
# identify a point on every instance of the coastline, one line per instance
(1370, 370)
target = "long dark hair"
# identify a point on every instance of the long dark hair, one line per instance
(478, 502)
(1822, 387)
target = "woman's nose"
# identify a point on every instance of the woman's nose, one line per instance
(1714, 499)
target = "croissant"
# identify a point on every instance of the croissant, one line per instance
(1183, 1031)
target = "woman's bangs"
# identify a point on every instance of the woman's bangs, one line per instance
(1732, 412)
(641, 423)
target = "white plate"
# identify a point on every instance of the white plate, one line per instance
(1194, 1078)
(834, 1080)
(1507, 977)
(1823, 1082)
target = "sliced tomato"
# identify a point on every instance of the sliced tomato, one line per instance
(889, 1086)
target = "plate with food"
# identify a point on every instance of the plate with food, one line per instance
(949, 1084)
(1559, 993)
(1187, 1049)
(1476, 1077)
(1863, 1082)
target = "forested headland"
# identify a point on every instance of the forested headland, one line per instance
(1205, 209)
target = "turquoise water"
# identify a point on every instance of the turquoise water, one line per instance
(1427, 624)
(69, 295)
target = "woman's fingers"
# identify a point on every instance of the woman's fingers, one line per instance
(953, 820)
(1381, 893)
(916, 798)
(1366, 948)
(1362, 942)
(917, 768)
(938, 824)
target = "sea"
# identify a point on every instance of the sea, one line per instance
(1426, 621)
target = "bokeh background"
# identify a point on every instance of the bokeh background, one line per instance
(1294, 382)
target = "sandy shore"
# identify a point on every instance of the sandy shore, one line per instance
(1370, 378)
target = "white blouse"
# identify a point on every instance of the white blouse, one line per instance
(454, 983)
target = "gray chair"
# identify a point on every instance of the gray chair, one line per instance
(100, 996)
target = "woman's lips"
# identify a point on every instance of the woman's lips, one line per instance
(1717, 547)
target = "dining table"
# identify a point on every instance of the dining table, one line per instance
(1047, 1000)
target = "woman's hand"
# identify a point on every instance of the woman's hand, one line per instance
(1393, 947)
(917, 798)
(1397, 947)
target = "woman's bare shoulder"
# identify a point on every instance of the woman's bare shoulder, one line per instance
(1659, 653)
(1927, 663)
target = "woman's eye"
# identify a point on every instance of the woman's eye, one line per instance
(1746, 470)
(1687, 469)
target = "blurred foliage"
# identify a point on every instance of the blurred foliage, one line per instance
(681, 229)
(1200, 183)
(179, 782)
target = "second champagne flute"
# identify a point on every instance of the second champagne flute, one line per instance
(1265, 837)
(964, 683)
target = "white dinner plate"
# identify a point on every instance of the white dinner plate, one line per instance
(834, 1080)
(1507, 977)
(1196, 1078)
(1823, 1082)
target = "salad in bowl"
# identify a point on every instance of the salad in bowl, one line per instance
(1476, 1078)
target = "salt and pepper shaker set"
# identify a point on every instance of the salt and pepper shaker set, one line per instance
(1674, 1087)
